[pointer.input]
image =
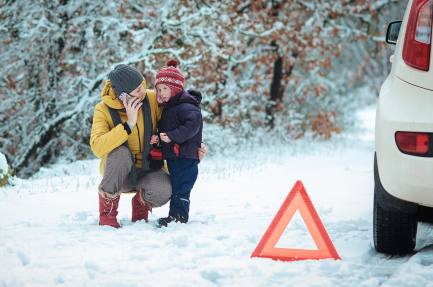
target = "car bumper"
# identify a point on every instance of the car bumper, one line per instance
(404, 107)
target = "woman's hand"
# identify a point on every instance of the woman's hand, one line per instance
(202, 151)
(154, 139)
(164, 138)
(132, 109)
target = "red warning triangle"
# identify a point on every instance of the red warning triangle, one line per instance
(297, 199)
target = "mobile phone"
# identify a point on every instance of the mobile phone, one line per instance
(123, 95)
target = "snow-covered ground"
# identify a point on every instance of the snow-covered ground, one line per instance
(49, 231)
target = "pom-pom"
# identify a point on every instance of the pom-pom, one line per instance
(172, 63)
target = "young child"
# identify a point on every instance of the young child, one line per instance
(180, 130)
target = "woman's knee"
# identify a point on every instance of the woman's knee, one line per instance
(156, 186)
(120, 155)
(120, 152)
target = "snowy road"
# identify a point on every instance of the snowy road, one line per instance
(49, 231)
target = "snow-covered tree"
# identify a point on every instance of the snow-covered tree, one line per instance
(262, 65)
(369, 53)
(56, 57)
(269, 64)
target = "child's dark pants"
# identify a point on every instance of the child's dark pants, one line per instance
(183, 176)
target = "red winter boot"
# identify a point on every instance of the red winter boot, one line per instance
(108, 204)
(140, 207)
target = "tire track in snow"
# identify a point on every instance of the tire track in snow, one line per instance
(386, 265)
(380, 264)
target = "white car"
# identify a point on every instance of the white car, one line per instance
(403, 163)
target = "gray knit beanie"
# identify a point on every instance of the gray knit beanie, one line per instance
(124, 79)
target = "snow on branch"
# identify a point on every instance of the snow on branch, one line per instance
(379, 4)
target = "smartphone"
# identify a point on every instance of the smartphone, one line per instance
(123, 95)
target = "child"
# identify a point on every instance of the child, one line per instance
(180, 129)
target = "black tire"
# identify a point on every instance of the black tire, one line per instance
(393, 232)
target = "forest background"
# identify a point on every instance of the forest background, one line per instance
(269, 71)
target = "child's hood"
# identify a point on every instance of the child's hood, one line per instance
(190, 96)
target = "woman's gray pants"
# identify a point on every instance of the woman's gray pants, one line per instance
(155, 185)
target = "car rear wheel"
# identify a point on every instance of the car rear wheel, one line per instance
(393, 232)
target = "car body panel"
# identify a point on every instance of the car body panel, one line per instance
(404, 107)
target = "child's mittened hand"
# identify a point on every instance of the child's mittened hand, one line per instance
(154, 139)
(164, 138)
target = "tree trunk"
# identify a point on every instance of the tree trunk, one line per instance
(276, 88)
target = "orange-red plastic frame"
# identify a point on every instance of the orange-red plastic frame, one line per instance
(297, 199)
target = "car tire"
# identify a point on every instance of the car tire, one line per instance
(393, 232)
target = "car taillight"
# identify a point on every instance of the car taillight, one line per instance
(417, 42)
(412, 142)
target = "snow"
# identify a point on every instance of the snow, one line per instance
(49, 231)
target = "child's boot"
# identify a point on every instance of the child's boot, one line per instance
(108, 204)
(140, 207)
(166, 220)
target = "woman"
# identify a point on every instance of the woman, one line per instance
(122, 136)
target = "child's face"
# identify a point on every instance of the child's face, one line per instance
(165, 92)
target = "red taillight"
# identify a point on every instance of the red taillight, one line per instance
(412, 142)
(417, 42)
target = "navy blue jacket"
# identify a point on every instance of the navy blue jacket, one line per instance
(181, 120)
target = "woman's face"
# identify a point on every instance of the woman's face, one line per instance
(138, 92)
(165, 92)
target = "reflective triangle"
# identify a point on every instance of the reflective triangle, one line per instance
(297, 199)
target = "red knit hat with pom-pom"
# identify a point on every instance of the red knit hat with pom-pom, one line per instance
(171, 76)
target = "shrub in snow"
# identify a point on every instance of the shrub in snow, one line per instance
(5, 171)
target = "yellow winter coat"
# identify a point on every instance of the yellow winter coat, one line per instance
(105, 137)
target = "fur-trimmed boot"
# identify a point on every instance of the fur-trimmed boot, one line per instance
(108, 204)
(140, 207)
